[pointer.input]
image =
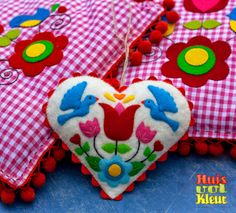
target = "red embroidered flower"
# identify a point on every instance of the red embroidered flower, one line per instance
(197, 61)
(205, 6)
(44, 50)
(118, 126)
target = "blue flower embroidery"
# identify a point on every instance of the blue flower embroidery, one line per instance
(114, 171)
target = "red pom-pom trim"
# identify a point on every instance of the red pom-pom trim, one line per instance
(172, 16)
(169, 4)
(162, 26)
(8, 196)
(49, 164)
(233, 152)
(201, 148)
(27, 194)
(38, 180)
(58, 153)
(184, 148)
(155, 37)
(216, 149)
(136, 58)
(145, 47)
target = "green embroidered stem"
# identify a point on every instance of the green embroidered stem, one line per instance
(83, 150)
(95, 148)
(116, 148)
(134, 153)
(147, 156)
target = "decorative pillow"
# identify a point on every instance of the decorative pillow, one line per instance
(41, 42)
(200, 57)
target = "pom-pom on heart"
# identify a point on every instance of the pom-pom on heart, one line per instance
(117, 134)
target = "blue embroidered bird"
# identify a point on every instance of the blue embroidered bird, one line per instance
(164, 103)
(72, 100)
(232, 17)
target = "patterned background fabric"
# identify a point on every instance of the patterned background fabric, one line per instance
(215, 102)
(92, 47)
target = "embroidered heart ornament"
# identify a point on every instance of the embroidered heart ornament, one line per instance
(117, 135)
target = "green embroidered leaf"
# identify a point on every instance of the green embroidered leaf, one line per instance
(137, 167)
(211, 24)
(79, 151)
(93, 162)
(152, 157)
(193, 25)
(54, 7)
(4, 41)
(86, 147)
(147, 151)
(123, 148)
(13, 34)
(109, 147)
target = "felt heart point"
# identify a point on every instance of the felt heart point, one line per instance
(117, 138)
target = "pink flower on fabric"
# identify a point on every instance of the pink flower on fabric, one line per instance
(90, 128)
(144, 133)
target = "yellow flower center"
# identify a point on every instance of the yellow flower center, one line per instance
(196, 57)
(114, 170)
(35, 50)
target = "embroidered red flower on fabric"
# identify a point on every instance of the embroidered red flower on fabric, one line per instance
(197, 61)
(203, 6)
(44, 50)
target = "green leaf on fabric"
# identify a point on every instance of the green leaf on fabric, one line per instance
(147, 151)
(86, 147)
(109, 147)
(137, 167)
(211, 24)
(123, 148)
(4, 41)
(79, 151)
(93, 162)
(54, 7)
(152, 157)
(13, 34)
(193, 25)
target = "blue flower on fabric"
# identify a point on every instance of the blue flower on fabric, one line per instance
(114, 171)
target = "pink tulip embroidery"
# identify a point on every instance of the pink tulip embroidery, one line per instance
(90, 128)
(144, 133)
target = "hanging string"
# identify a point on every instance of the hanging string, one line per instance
(124, 40)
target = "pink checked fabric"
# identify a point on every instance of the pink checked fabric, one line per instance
(215, 102)
(92, 46)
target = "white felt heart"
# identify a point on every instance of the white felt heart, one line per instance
(117, 135)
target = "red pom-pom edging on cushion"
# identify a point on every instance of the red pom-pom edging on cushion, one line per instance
(167, 5)
(8, 196)
(27, 194)
(204, 146)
